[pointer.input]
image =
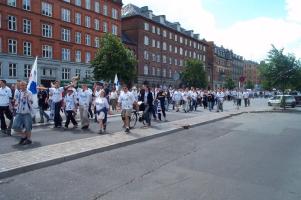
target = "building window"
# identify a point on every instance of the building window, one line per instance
(12, 70)
(158, 72)
(170, 61)
(153, 71)
(97, 7)
(146, 26)
(77, 72)
(170, 35)
(181, 51)
(12, 23)
(158, 58)
(12, 3)
(88, 4)
(87, 21)
(96, 42)
(158, 31)
(170, 48)
(176, 62)
(27, 69)
(164, 72)
(47, 30)
(105, 10)
(47, 51)
(12, 46)
(164, 33)
(78, 2)
(164, 59)
(170, 73)
(114, 13)
(88, 74)
(65, 36)
(105, 27)
(26, 26)
(114, 29)
(146, 55)
(65, 15)
(65, 54)
(176, 49)
(78, 56)
(88, 40)
(146, 40)
(181, 40)
(46, 9)
(153, 29)
(145, 70)
(158, 44)
(88, 57)
(26, 4)
(27, 48)
(176, 37)
(164, 46)
(96, 24)
(154, 57)
(78, 36)
(153, 43)
(65, 74)
(78, 18)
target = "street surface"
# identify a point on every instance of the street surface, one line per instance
(246, 157)
(46, 135)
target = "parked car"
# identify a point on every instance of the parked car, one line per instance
(298, 99)
(276, 101)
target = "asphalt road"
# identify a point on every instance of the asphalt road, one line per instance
(46, 135)
(247, 157)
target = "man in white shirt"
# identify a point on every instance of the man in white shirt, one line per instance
(84, 98)
(70, 104)
(246, 97)
(5, 100)
(126, 101)
(23, 119)
(177, 97)
(220, 96)
(56, 94)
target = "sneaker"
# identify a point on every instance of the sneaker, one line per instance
(26, 142)
(22, 140)
(8, 132)
(127, 130)
(100, 131)
(75, 126)
(85, 127)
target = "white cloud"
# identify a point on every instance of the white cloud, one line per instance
(251, 39)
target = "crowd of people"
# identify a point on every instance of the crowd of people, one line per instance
(17, 104)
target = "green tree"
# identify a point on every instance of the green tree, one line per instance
(279, 70)
(114, 58)
(194, 74)
(249, 85)
(230, 84)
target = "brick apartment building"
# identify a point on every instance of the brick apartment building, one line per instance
(225, 64)
(162, 46)
(64, 34)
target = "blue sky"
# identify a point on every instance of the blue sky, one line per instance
(228, 12)
(248, 27)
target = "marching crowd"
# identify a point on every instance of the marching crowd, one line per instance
(17, 104)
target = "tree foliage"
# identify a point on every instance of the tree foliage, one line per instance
(230, 84)
(114, 58)
(280, 71)
(194, 74)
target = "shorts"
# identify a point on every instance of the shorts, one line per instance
(100, 115)
(126, 113)
(22, 121)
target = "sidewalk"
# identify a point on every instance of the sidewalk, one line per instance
(22, 161)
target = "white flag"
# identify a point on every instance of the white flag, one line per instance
(33, 81)
(116, 82)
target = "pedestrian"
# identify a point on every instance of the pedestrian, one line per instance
(246, 97)
(102, 108)
(161, 96)
(43, 103)
(113, 98)
(220, 96)
(177, 97)
(23, 120)
(56, 93)
(149, 106)
(84, 98)
(126, 101)
(70, 105)
(5, 101)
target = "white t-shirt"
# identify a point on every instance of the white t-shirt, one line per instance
(56, 94)
(126, 99)
(114, 95)
(70, 101)
(5, 95)
(24, 102)
(177, 96)
(100, 103)
(246, 95)
(84, 97)
(220, 96)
